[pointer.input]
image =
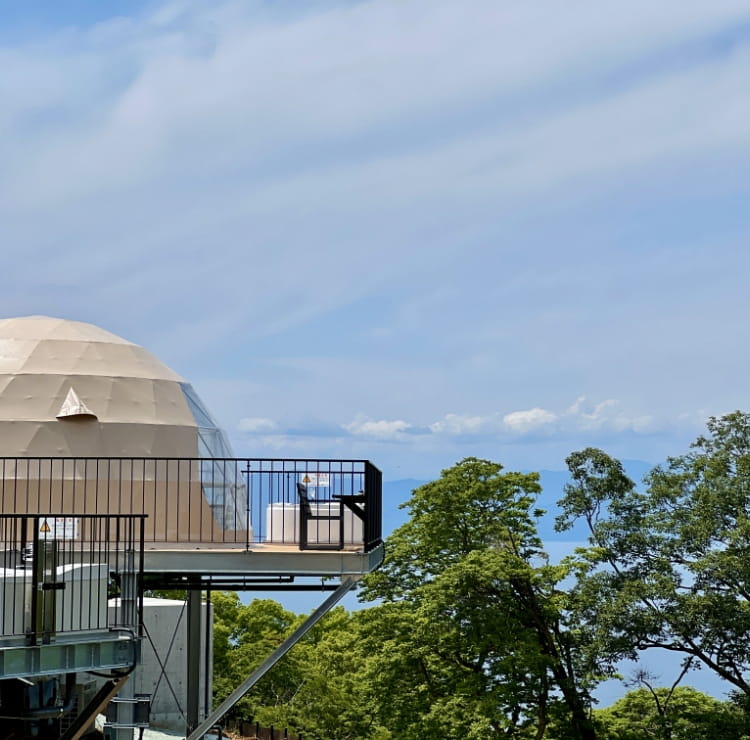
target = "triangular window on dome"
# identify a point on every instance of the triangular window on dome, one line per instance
(74, 408)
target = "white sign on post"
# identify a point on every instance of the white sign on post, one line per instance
(58, 527)
(316, 480)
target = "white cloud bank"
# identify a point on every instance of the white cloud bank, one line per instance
(532, 438)
(605, 417)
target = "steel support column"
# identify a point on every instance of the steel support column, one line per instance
(194, 634)
(347, 584)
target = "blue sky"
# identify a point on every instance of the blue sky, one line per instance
(406, 231)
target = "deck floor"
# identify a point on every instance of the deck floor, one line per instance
(223, 559)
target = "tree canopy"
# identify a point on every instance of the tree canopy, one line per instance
(471, 632)
(318, 687)
(668, 567)
(665, 714)
(477, 612)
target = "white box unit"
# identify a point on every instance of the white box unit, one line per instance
(15, 593)
(82, 604)
(283, 524)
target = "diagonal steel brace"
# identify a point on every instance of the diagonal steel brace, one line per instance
(345, 586)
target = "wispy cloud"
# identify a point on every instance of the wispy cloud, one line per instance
(382, 429)
(607, 415)
(530, 420)
(157, 114)
(348, 219)
(464, 424)
(256, 425)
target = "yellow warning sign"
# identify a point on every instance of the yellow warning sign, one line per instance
(317, 480)
(59, 527)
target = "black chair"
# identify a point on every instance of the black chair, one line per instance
(307, 516)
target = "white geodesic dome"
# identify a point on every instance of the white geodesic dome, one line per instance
(71, 389)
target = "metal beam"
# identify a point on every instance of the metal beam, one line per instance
(346, 585)
(93, 653)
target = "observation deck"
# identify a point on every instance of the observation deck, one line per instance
(219, 522)
(74, 532)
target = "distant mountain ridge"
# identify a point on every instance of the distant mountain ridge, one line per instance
(553, 482)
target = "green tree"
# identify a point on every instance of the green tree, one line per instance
(244, 635)
(317, 688)
(473, 637)
(665, 714)
(668, 567)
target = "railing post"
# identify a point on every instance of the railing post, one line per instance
(46, 565)
(41, 599)
(33, 595)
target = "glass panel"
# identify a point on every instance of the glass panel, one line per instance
(223, 486)
(200, 413)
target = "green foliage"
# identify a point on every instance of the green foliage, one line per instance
(476, 641)
(475, 635)
(472, 506)
(244, 635)
(317, 688)
(669, 567)
(471, 638)
(665, 714)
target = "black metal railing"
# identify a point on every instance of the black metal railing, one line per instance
(68, 572)
(191, 501)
